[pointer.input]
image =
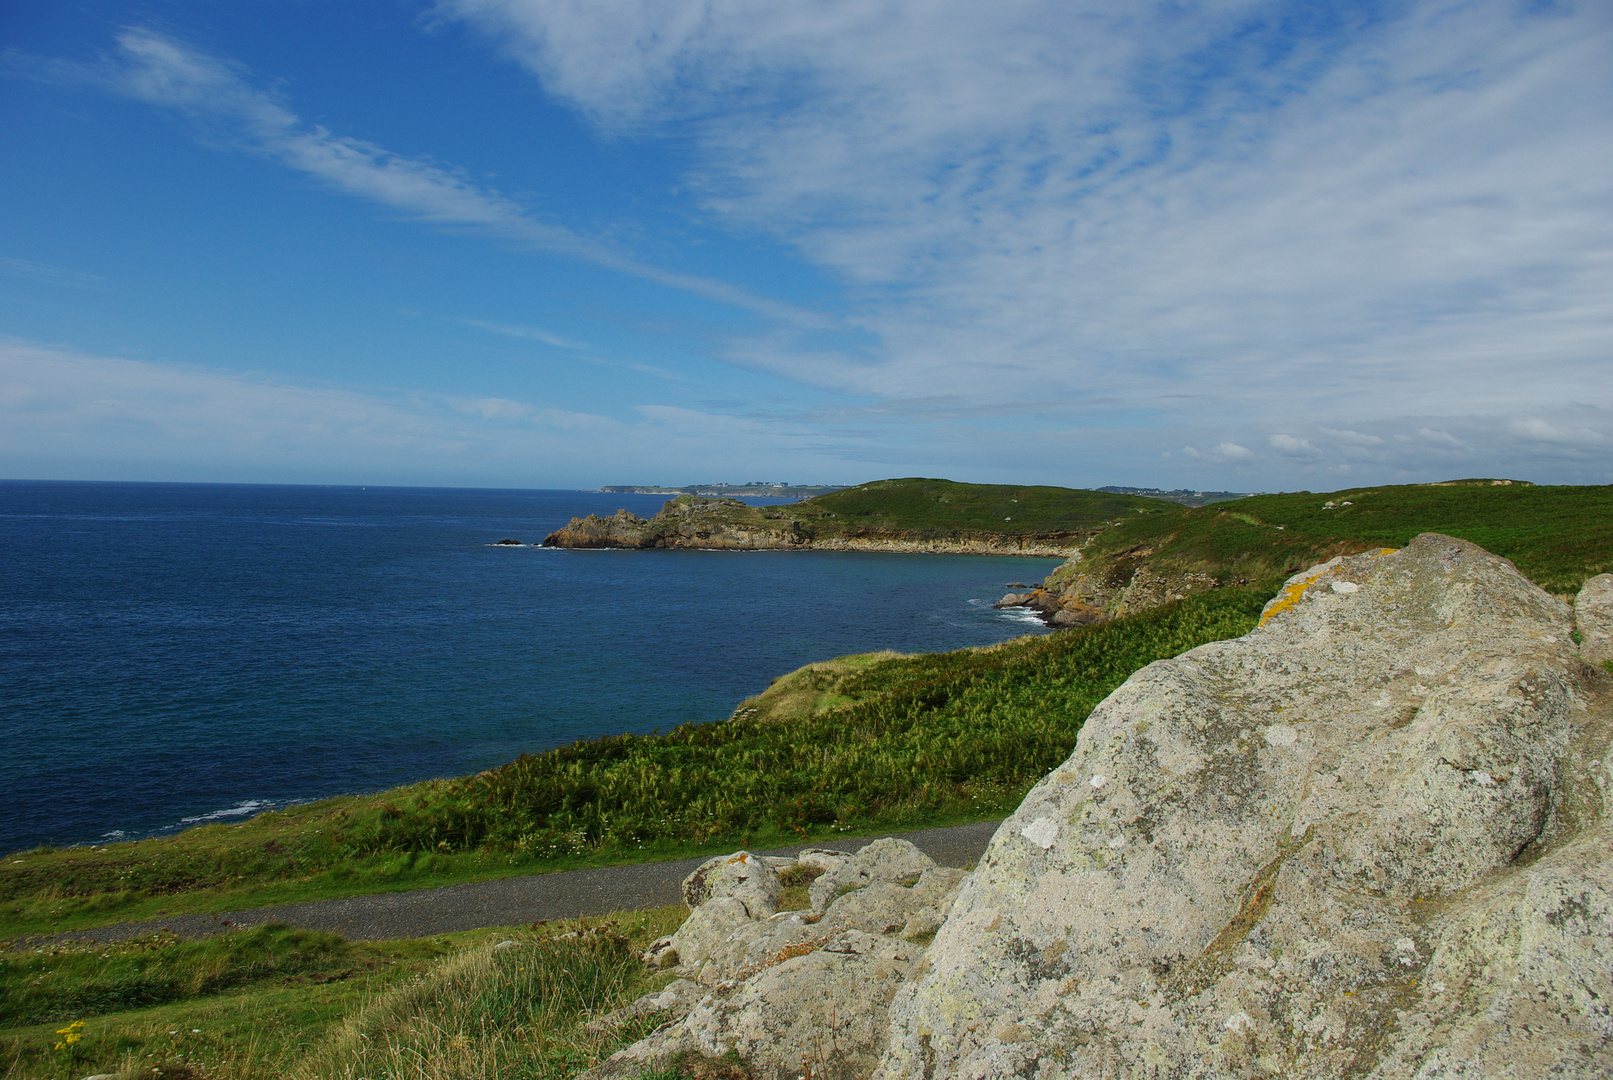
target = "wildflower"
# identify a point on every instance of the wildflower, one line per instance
(70, 1034)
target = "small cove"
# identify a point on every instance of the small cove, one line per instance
(176, 651)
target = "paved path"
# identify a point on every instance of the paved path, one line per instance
(506, 901)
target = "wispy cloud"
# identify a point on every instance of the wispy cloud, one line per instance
(1249, 208)
(1347, 437)
(533, 333)
(1540, 430)
(1291, 446)
(530, 333)
(220, 97)
(1221, 453)
(51, 275)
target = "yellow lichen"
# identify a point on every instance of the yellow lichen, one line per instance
(1287, 598)
(1290, 595)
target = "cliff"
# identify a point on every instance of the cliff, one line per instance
(1371, 838)
(905, 515)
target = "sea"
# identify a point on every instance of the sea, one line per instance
(172, 654)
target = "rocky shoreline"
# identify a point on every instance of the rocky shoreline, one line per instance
(1075, 599)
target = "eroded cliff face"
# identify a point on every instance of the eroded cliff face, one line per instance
(1369, 838)
(690, 521)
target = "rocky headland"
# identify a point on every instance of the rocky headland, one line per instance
(1370, 838)
(692, 521)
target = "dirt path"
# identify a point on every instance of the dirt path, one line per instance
(506, 901)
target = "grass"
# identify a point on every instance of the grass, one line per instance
(896, 742)
(515, 1011)
(45, 986)
(811, 690)
(942, 507)
(225, 1006)
(274, 1002)
(1557, 536)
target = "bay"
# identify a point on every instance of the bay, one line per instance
(171, 653)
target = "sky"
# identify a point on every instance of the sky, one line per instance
(1249, 245)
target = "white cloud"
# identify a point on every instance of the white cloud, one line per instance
(1353, 438)
(492, 408)
(1290, 446)
(1188, 208)
(1540, 431)
(1221, 453)
(1434, 435)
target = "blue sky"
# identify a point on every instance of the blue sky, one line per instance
(1247, 245)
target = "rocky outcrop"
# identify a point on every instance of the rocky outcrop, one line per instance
(792, 993)
(1593, 616)
(1075, 596)
(622, 529)
(1369, 838)
(690, 521)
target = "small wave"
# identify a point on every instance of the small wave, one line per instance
(244, 809)
(115, 834)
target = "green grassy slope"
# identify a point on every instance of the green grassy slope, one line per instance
(916, 504)
(273, 1002)
(1557, 536)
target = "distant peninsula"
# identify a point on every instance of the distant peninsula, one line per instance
(1181, 496)
(910, 514)
(756, 489)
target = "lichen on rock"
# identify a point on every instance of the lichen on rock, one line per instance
(793, 991)
(1367, 838)
(1593, 617)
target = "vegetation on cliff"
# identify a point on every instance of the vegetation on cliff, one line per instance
(912, 509)
(938, 507)
(1557, 536)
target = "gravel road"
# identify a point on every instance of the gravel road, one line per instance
(505, 901)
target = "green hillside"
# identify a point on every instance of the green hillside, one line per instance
(918, 504)
(1557, 536)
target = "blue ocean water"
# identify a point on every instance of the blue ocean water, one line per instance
(178, 652)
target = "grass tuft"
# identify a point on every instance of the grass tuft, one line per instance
(516, 1009)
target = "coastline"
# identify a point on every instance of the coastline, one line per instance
(1009, 546)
